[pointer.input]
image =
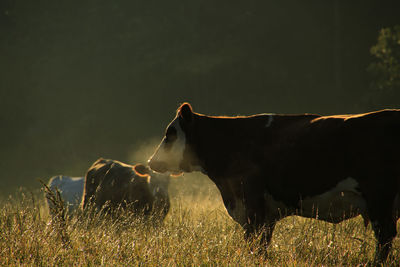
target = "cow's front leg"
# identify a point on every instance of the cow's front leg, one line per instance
(257, 225)
(263, 233)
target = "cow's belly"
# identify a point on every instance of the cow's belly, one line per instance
(335, 208)
(340, 203)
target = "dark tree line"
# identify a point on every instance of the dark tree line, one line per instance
(385, 69)
(84, 79)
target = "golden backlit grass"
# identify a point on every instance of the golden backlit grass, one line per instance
(197, 232)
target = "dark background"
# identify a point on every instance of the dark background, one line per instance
(84, 79)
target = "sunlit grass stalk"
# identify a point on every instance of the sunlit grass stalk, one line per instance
(196, 232)
(59, 212)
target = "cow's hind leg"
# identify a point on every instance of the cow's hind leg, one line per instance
(385, 230)
(380, 198)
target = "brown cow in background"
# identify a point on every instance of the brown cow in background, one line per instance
(110, 184)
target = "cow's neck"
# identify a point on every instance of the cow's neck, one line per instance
(223, 159)
(224, 146)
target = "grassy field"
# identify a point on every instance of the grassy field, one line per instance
(197, 232)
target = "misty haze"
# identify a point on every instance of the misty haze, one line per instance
(84, 80)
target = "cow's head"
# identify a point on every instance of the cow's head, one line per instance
(156, 179)
(175, 153)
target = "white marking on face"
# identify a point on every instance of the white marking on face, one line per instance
(343, 201)
(269, 122)
(170, 151)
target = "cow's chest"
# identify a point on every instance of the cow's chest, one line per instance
(232, 194)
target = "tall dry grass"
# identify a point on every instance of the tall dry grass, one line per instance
(197, 232)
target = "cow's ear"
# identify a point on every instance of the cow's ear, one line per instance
(141, 170)
(185, 111)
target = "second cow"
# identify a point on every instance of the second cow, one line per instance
(111, 185)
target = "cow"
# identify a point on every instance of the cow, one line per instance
(71, 190)
(110, 184)
(268, 166)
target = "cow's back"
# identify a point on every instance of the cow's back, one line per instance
(333, 147)
(373, 143)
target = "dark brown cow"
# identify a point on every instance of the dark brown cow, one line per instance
(110, 184)
(270, 166)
